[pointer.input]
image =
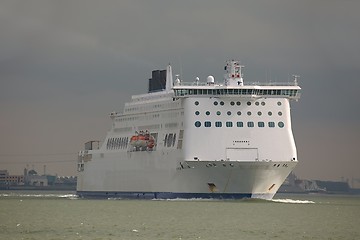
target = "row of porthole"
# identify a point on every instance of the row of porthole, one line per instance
(249, 124)
(238, 103)
(238, 113)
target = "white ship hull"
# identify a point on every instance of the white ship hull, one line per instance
(195, 141)
(142, 176)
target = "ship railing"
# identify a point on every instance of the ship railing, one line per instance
(294, 83)
(292, 93)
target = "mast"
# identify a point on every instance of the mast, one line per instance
(233, 76)
(169, 78)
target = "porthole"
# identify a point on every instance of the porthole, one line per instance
(259, 113)
(239, 113)
(248, 103)
(197, 124)
(222, 103)
(216, 103)
(257, 103)
(232, 103)
(269, 113)
(238, 103)
(280, 113)
(279, 103)
(250, 124)
(218, 113)
(197, 113)
(262, 103)
(281, 124)
(228, 113)
(207, 113)
(249, 113)
(239, 124)
(196, 103)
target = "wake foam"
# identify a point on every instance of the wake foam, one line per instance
(37, 195)
(292, 201)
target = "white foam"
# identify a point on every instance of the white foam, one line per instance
(69, 196)
(292, 201)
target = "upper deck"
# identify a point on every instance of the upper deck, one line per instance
(163, 88)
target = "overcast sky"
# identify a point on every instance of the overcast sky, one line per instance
(64, 65)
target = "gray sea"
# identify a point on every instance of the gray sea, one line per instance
(61, 215)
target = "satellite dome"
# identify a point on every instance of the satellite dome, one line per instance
(210, 79)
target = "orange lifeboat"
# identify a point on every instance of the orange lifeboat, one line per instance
(142, 141)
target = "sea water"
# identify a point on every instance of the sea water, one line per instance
(61, 215)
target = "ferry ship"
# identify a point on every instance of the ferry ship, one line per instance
(199, 139)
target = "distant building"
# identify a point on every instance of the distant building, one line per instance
(36, 180)
(7, 179)
(33, 179)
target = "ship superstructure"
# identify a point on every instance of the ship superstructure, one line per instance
(195, 140)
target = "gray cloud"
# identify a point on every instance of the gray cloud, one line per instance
(65, 64)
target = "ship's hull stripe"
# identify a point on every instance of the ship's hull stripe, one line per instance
(165, 195)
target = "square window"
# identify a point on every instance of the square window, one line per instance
(229, 124)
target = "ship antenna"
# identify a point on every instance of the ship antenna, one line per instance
(296, 77)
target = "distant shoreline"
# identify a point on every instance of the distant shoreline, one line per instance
(43, 188)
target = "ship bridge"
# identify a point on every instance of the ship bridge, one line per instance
(288, 90)
(233, 86)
